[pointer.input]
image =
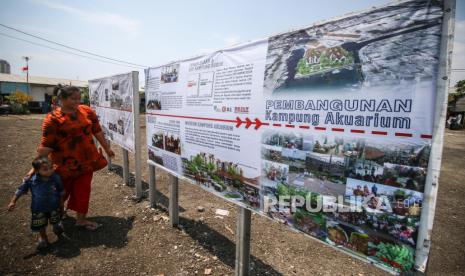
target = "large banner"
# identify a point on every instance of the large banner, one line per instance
(327, 129)
(112, 100)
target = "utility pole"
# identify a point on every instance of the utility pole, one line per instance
(27, 73)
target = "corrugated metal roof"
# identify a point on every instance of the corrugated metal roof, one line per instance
(41, 80)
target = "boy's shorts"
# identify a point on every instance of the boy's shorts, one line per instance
(39, 220)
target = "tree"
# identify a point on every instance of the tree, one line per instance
(460, 86)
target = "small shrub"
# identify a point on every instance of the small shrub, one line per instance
(19, 101)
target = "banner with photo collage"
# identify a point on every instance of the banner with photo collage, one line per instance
(339, 114)
(112, 99)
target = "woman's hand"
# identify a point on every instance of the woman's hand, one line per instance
(103, 142)
(110, 152)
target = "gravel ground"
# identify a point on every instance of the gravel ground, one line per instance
(138, 240)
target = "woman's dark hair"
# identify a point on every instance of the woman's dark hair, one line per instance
(63, 92)
(39, 161)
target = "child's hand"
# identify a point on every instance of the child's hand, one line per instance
(11, 206)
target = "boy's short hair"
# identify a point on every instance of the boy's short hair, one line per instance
(39, 161)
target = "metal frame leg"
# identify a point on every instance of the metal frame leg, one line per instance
(173, 205)
(243, 242)
(152, 187)
(108, 158)
(126, 166)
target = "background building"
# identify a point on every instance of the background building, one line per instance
(39, 88)
(4, 67)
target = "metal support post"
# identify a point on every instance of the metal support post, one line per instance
(243, 242)
(173, 205)
(152, 187)
(137, 142)
(108, 157)
(126, 166)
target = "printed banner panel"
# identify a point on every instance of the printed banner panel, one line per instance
(112, 99)
(327, 129)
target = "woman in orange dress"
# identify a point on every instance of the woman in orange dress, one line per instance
(67, 137)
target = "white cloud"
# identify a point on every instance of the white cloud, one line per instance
(123, 23)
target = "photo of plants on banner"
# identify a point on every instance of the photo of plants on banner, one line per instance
(326, 129)
(112, 99)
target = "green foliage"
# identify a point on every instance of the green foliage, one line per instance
(325, 62)
(302, 67)
(460, 90)
(233, 173)
(230, 195)
(19, 101)
(210, 167)
(85, 96)
(318, 218)
(216, 178)
(191, 167)
(17, 108)
(19, 97)
(283, 190)
(400, 193)
(198, 161)
(460, 86)
(300, 214)
(399, 256)
(286, 190)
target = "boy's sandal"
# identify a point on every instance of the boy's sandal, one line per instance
(64, 215)
(42, 244)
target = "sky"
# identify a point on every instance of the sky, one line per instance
(152, 33)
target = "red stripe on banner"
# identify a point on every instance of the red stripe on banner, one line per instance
(195, 118)
(357, 131)
(403, 134)
(398, 134)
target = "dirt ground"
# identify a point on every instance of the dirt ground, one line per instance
(138, 240)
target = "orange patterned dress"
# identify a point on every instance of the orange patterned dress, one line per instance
(70, 136)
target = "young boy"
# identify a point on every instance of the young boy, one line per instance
(47, 199)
